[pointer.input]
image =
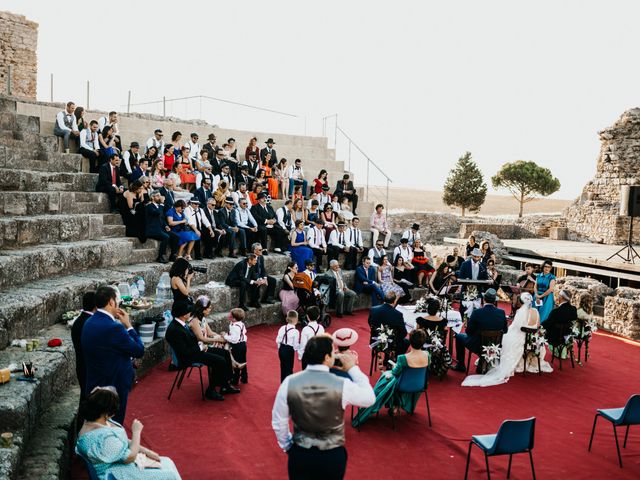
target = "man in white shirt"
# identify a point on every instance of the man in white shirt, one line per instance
(296, 177)
(354, 237)
(241, 193)
(285, 219)
(66, 125)
(200, 224)
(246, 222)
(155, 141)
(130, 155)
(89, 145)
(112, 121)
(207, 173)
(317, 242)
(412, 234)
(376, 253)
(311, 329)
(314, 400)
(324, 197)
(338, 242)
(225, 174)
(403, 250)
(194, 152)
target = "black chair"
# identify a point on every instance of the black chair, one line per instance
(487, 337)
(182, 371)
(558, 350)
(619, 417)
(527, 350)
(582, 340)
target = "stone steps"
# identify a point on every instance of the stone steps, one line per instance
(41, 203)
(34, 181)
(27, 158)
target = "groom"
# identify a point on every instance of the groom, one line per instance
(489, 317)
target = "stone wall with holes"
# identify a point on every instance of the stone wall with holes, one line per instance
(594, 216)
(18, 43)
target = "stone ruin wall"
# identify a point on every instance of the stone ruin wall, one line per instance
(18, 43)
(594, 216)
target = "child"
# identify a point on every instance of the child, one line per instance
(237, 339)
(297, 194)
(288, 341)
(311, 330)
(344, 339)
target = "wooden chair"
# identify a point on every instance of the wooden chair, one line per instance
(530, 332)
(558, 350)
(487, 337)
(582, 341)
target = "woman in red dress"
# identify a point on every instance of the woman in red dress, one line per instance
(320, 181)
(185, 170)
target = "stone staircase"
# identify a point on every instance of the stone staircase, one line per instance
(58, 240)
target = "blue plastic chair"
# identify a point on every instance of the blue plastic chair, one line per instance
(619, 417)
(182, 371)
(412, 380)
(514, 436)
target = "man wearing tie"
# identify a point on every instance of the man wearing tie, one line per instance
(243, 275)
(199, 223)
(227, 221)
(317, 242)
(245, 221)
(204, 193)
(167, 192)
(356, 245)
(338, 242)
(109, 181)
(296, 177)
(345, 189)
(284, 217)
(156, 227)
(243, 177)
(268, 225)
(261, 273)
(220, 234)
(89, 145)
(412, 234)
(343, 296)
(365, 282)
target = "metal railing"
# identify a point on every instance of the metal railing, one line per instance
(373, 191)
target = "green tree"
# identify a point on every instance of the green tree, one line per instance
(525, 180)
(465, 187)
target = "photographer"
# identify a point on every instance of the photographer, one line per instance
(181, 275)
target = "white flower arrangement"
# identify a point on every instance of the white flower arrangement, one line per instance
(537, 341)
(383, 340)
(471, 293)
(588, 328)
(421, 305)
(434, 342)
(491, 355)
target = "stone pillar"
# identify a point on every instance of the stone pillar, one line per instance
(18, 43)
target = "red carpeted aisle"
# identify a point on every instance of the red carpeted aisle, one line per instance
(233, 439)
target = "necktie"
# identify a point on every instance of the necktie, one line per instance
(113, 175)
(198, 220)
(246, 275)
(342, 239)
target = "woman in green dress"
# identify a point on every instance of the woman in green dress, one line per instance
(387, 385)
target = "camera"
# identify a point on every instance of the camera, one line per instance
(337, 362)
(197, 269)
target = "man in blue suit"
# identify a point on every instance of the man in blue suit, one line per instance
(489, 317)
(108, 342)
(473, 268)
(365, 282)
(156, 227)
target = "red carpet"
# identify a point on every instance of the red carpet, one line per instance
(233, 439)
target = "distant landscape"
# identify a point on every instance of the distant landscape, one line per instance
(413, 200)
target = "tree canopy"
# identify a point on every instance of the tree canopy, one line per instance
(525, 180)
(465, 187)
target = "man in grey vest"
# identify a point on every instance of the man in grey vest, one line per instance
(315, 400)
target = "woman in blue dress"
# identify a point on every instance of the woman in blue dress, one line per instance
(387, 385)
(105, 445)
(545, 283)
(300, 251)
(180, 225)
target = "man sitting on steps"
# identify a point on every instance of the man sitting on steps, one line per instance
(66, 125)
(109, 181)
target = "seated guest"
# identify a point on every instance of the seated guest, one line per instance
(386, 315)
(208, 340)
(345, 189)
(221, 193)
(471, 244)
(376, 253)
(412, 234)
(287, 294)
(296, 177)
(269, 153)
(90, 146)
(324, 199)
(157, 173)
(404, 250)
(206, 173)
(432, 321)
(261, 273)
(180, 225)
(320, 181)
(457, 259)
(88, 309)
(108, 343)
(241, 193)
(156, 227)
(244, 178)
(487, 253)
(130, 204)
(379, 226)
(388, 283)
(489, 317)
(245, 222)
(130, 159)
(187, 351)
(225, 176)
(402, 276)
(81, 122)
(106, 140)
(111, 121)
(104, 443)
(194, 147)
(109, 181)
(168, 158)
(356, 245)
(421, 266)
(387, 386)
(211, 147)
(492, 272)
(345, 338)
(200, 225)
(343, 297)
(299, 246)
(298, 212)
(155, 141)
(139, 171)
(337, 206)
(226, 221)
(338, 242)
(284, 217)
(66, 125)
(330, 220)
(345, 209)
(313, 212)
(268, 225)
(366, 282)
(563, 315)
(442, 276)
(473, 268)
(316, 241)
(185, 169)
(168, 194)
(243, 275)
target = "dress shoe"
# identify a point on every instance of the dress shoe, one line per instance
(255, 305)
(277, 250)
(459, 368)
(161, 260)
(269, 301)
(229, 390)
(213, 395)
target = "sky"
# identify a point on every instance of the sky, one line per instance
(414, 84)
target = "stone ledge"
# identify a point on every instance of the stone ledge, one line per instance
(34, 181)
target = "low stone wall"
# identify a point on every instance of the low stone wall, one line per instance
(533, 226)
(433, 226)
(18, 43)
(622, 316)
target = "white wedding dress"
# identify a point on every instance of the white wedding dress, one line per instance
(511, 360)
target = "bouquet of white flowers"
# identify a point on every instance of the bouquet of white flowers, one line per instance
(439, 357)
(584, 330)
(536, 341)
(491, 355)
(384, 339)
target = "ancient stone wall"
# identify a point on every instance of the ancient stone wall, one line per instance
(594, 216)
(18, 42)
(433, 226)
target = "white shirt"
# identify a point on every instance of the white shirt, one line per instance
(111, 317)
(244, 218)
(310, 330)
(405, 253)
(238, 195)
(355, 237)
(60, 121)
(280, 216)
(475, 270)
(126, 157)
(323, 199)
(193, 217)
(292, 336)
(409, 234)
(315, 237)
(87, 142)
(339, 239)
(104, 121)
(374, 252)
(237, 333)
(194, 151)
(152, 142)
(355, 391)
(296, 172)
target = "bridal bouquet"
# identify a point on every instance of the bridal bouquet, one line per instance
(537, 341)
(491, 355)
(471, 293)
(421, 305)
(584, 330)
(384, 339)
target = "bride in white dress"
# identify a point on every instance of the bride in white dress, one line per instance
(511, 360)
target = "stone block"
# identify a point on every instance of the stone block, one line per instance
(558, 233)
(622, 316)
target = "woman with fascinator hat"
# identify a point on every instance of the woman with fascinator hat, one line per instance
(511, 356)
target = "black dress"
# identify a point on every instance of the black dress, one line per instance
(178, 296)
(133, 223)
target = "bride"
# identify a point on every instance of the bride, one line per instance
(511, 360)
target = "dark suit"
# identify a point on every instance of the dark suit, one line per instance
(136, 174)
(274, 156)
(246, 179)
(155, 223)
(218, 240)
(388, 316)
(76, 338)
(353, 197)
(185, 346)
(239, 277)
(466, 271)
(253, 167)
(108, 348)
(277, 234)
(488, 317)
(365, 283)
(261, 272)
(203, 195)
(105, 183)
(169, 198)
(226, 221)
(562, 315)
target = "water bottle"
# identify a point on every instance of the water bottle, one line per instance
(135, 294)
(125, 291)
(141, 286)
(167, 316)
(163, 290)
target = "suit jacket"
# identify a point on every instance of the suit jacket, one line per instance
(183, 343)
(564, 314)
(340, 188)
(465, 271)
(261, 216)
(489, 317)
(274, 156)
(246, 179)
(259, 268)
(238, 274)
(203, 195)
(226, 219)
(104, 178)
(361, 277)
(76, 338)
(253, 167)
(213, 219)
(169, 198)
(136, 174)
(108, 348)
(155, 220)
(387, 315)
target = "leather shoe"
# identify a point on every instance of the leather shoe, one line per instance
(229, 390)
(459, 368)
(213, 395)
(162, 260)
(255, 305)
(269, 301)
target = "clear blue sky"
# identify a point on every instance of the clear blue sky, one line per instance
(415, 83)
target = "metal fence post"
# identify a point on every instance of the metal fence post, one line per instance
(386, 208)
(129, 101)
(335, 137)
(87, 95)
(349, 155)
(164, 106)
